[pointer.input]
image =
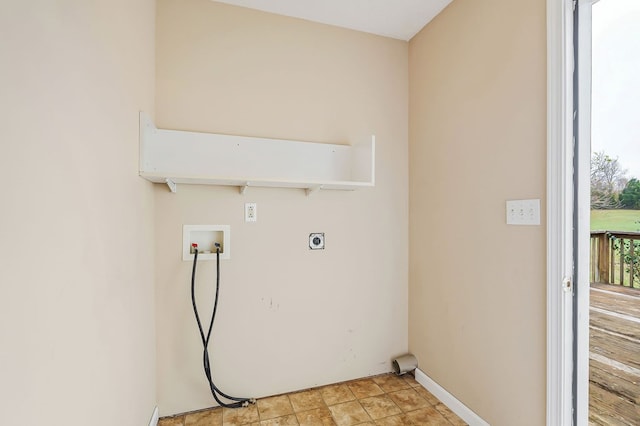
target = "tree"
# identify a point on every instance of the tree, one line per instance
(608, 178)
(630, 195)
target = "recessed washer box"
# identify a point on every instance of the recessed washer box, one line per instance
(206, 236)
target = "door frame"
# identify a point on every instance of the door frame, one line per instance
(559, 212)
(568, 210)
(582, 215)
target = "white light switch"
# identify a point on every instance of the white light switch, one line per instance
(523, 212)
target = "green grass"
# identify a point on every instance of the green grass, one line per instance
(615, 220)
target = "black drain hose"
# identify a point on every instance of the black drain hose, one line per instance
(239, 402)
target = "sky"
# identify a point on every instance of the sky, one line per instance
(615, 116)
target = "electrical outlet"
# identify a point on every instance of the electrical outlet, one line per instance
(523, 212)
(250, 212)
(316, 241)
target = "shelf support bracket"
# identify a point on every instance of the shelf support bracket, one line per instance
(312, 189)
(243, 188)
(172, 185)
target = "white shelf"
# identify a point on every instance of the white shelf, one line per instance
(179, 157)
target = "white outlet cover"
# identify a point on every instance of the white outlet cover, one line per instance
(523, 212)
(250, 212)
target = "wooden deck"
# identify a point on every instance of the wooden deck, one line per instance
(614, 356)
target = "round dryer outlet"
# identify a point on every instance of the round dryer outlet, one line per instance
(316, 241)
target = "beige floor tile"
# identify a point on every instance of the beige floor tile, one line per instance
(431, 399)
(240, 416)
(276, 406)
(449, 415)
(204, 418)
(385, 400)
(391, 383)
(408, 400)
(306, 400)
(172, 421)
(411, 381)
(364, 388)
(335, 394)
(380, 406)
(289, 420)
(315, 417)
(400, 420)
(427, 417)
(349, 413)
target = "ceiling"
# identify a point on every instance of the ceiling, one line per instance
(400, 19)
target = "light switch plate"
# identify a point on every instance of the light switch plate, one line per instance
(523, 212)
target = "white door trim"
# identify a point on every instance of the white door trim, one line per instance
(559, 210)
(583, 211)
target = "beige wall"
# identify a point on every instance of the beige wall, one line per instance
(76, 222)
(477, 139)
(289, 318)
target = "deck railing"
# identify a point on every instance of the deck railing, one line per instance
(615, 258)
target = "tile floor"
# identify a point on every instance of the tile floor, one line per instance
(385, 400)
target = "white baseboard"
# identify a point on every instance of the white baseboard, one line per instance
(464, 412)
(155, 417)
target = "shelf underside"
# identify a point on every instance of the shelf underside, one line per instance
(266, 183)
